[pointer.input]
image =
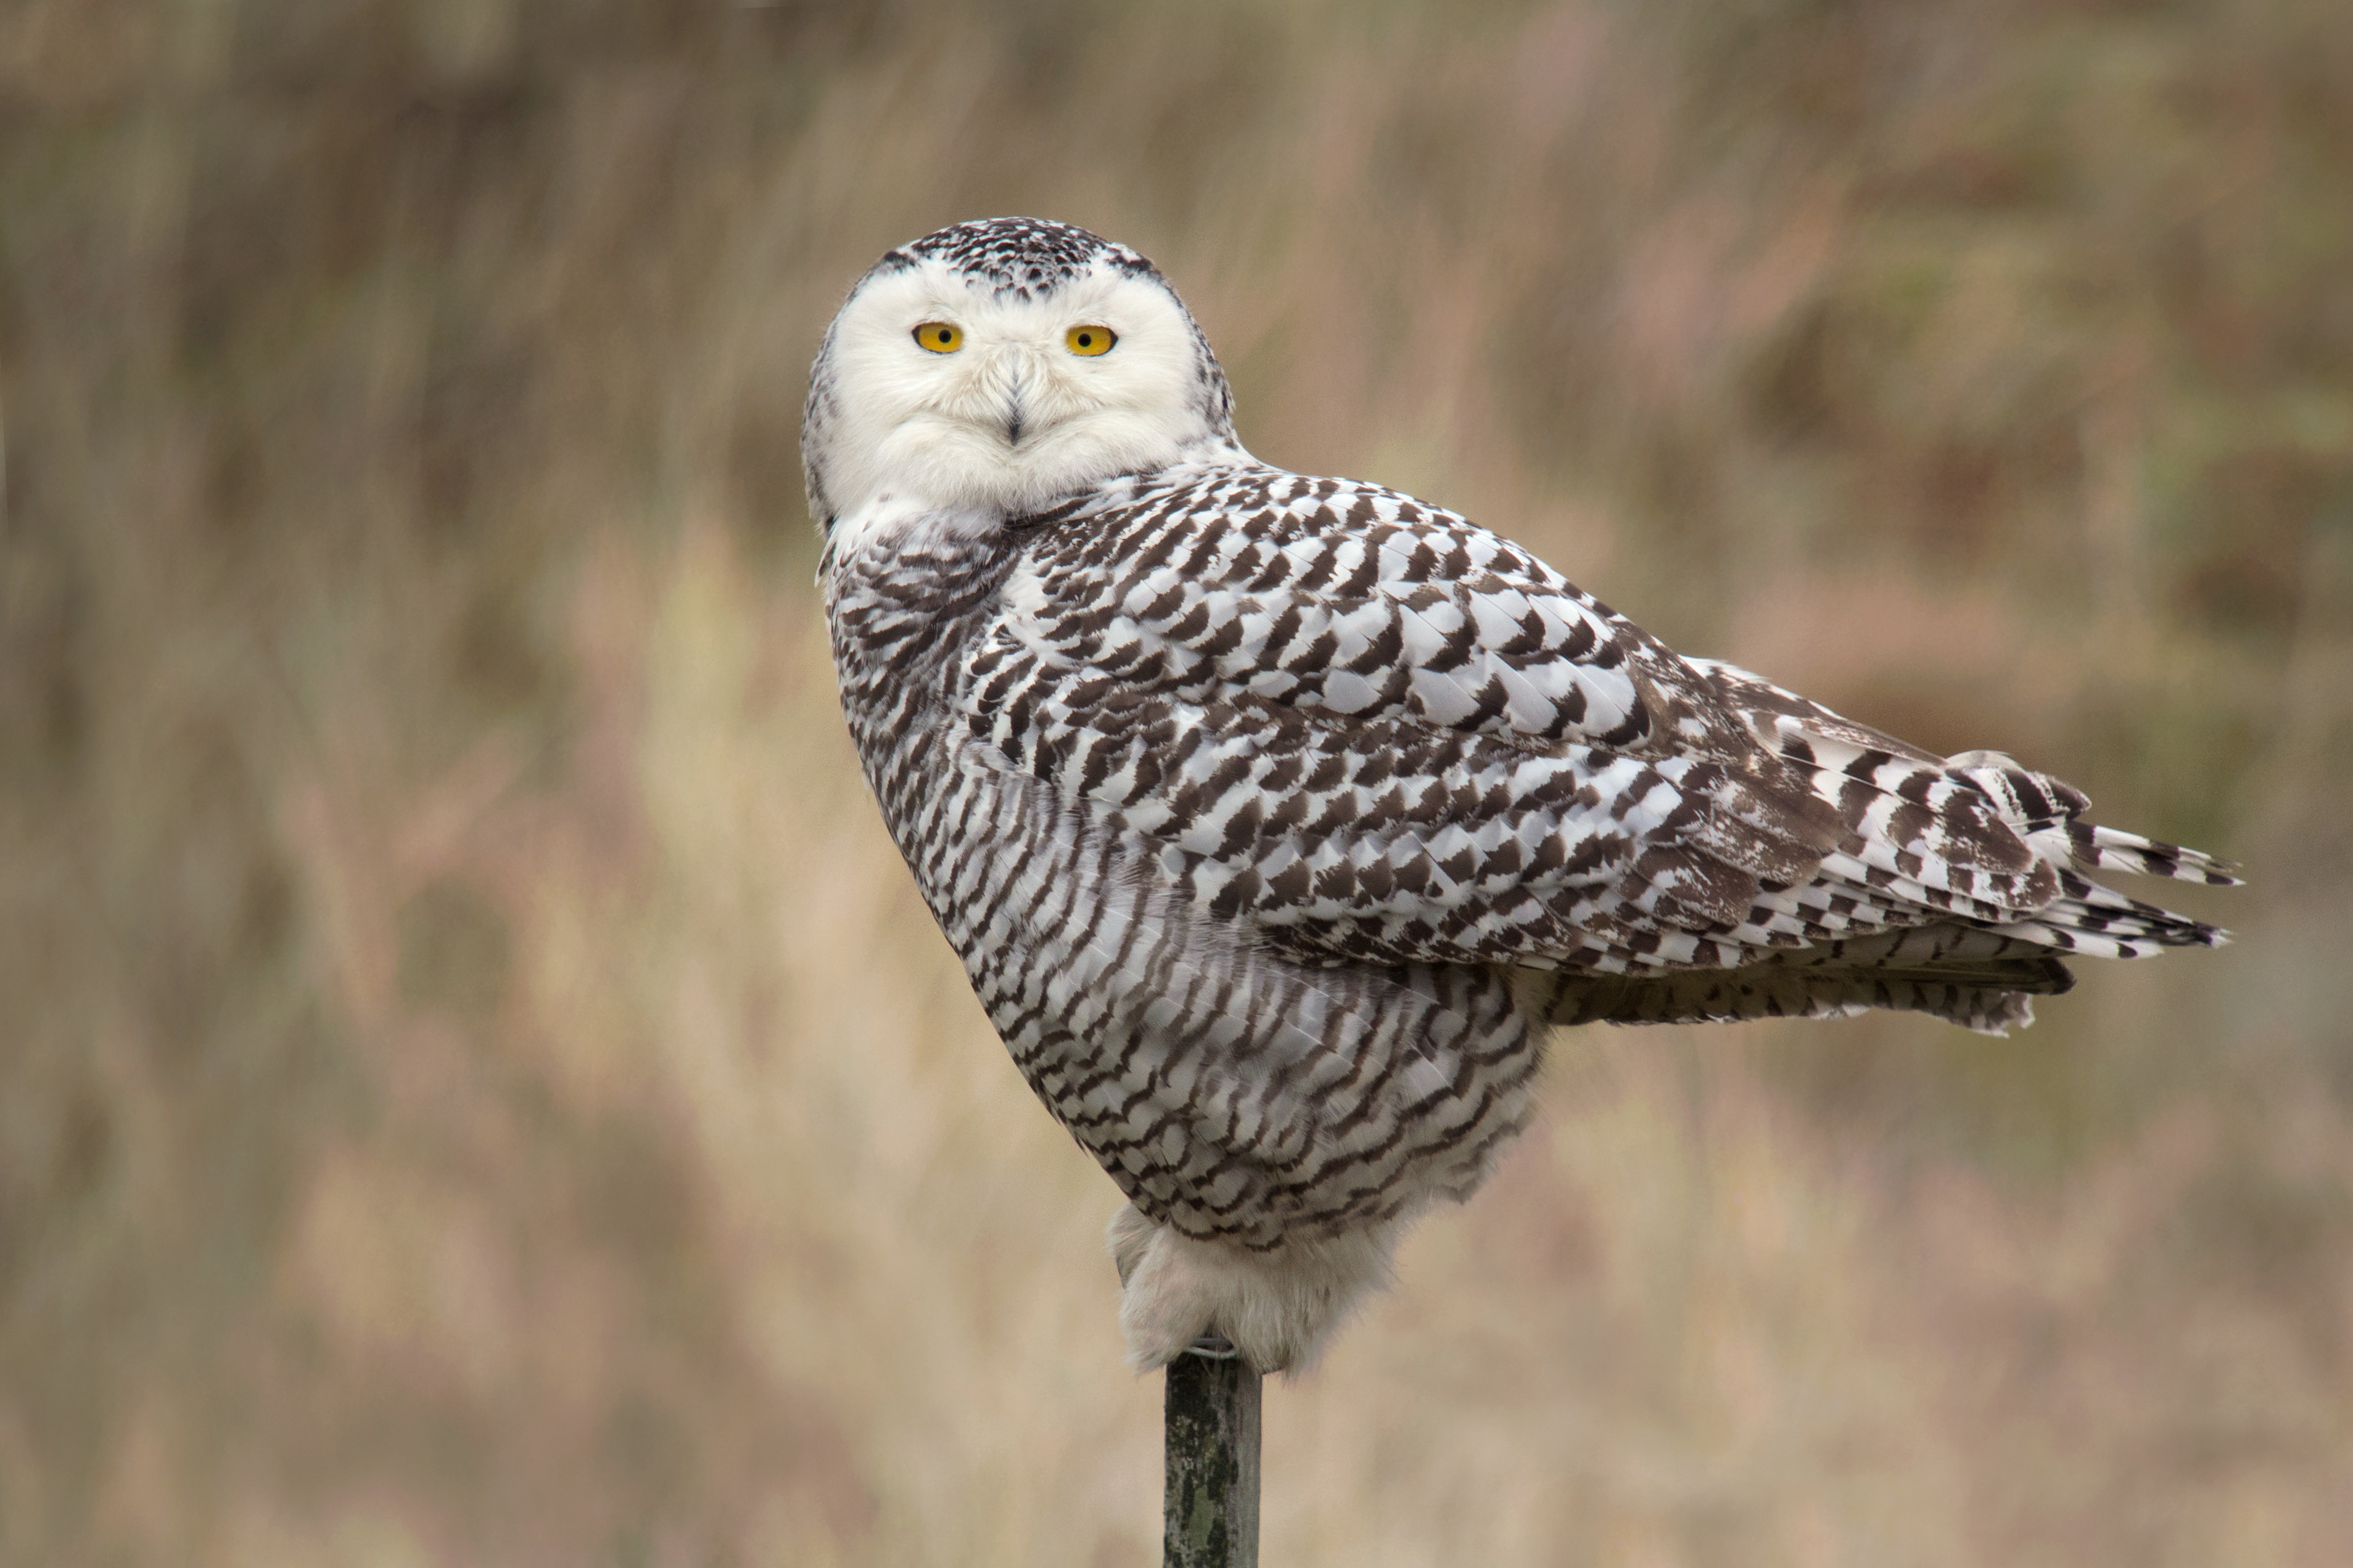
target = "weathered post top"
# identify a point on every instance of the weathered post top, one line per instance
(1209, 1511)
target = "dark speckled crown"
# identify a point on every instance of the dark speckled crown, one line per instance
(1023, 257)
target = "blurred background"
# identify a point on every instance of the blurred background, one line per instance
(478, 1086)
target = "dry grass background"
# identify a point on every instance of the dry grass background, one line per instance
(477, 1087)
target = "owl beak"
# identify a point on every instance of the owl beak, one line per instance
(1013, 411)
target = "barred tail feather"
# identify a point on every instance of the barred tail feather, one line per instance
(1987, 995)
(2049, 814)
(2100, 922)
(2093, 847)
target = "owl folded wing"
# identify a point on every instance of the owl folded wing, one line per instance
(1402, 739)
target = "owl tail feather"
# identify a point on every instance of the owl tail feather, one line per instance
(1989, 995)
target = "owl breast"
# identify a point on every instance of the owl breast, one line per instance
(1233, 1094)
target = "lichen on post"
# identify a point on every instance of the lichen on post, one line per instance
(1209, 1511)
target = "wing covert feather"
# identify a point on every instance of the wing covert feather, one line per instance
(1378, 732)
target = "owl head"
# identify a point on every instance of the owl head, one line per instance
(1000, 365)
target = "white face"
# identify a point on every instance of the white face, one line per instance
(1015, 412)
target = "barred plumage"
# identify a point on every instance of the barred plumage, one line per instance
(1275, 817)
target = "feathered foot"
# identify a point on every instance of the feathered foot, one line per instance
(1278, 1308)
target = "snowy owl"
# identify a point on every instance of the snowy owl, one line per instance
(1276, 818)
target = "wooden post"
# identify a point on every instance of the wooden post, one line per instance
(1209, 1511)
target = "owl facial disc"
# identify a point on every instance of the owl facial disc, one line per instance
(997, 367)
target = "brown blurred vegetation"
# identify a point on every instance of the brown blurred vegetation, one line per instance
(476, 1086)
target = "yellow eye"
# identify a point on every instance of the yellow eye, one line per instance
(1090, 340)
(940, 337)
